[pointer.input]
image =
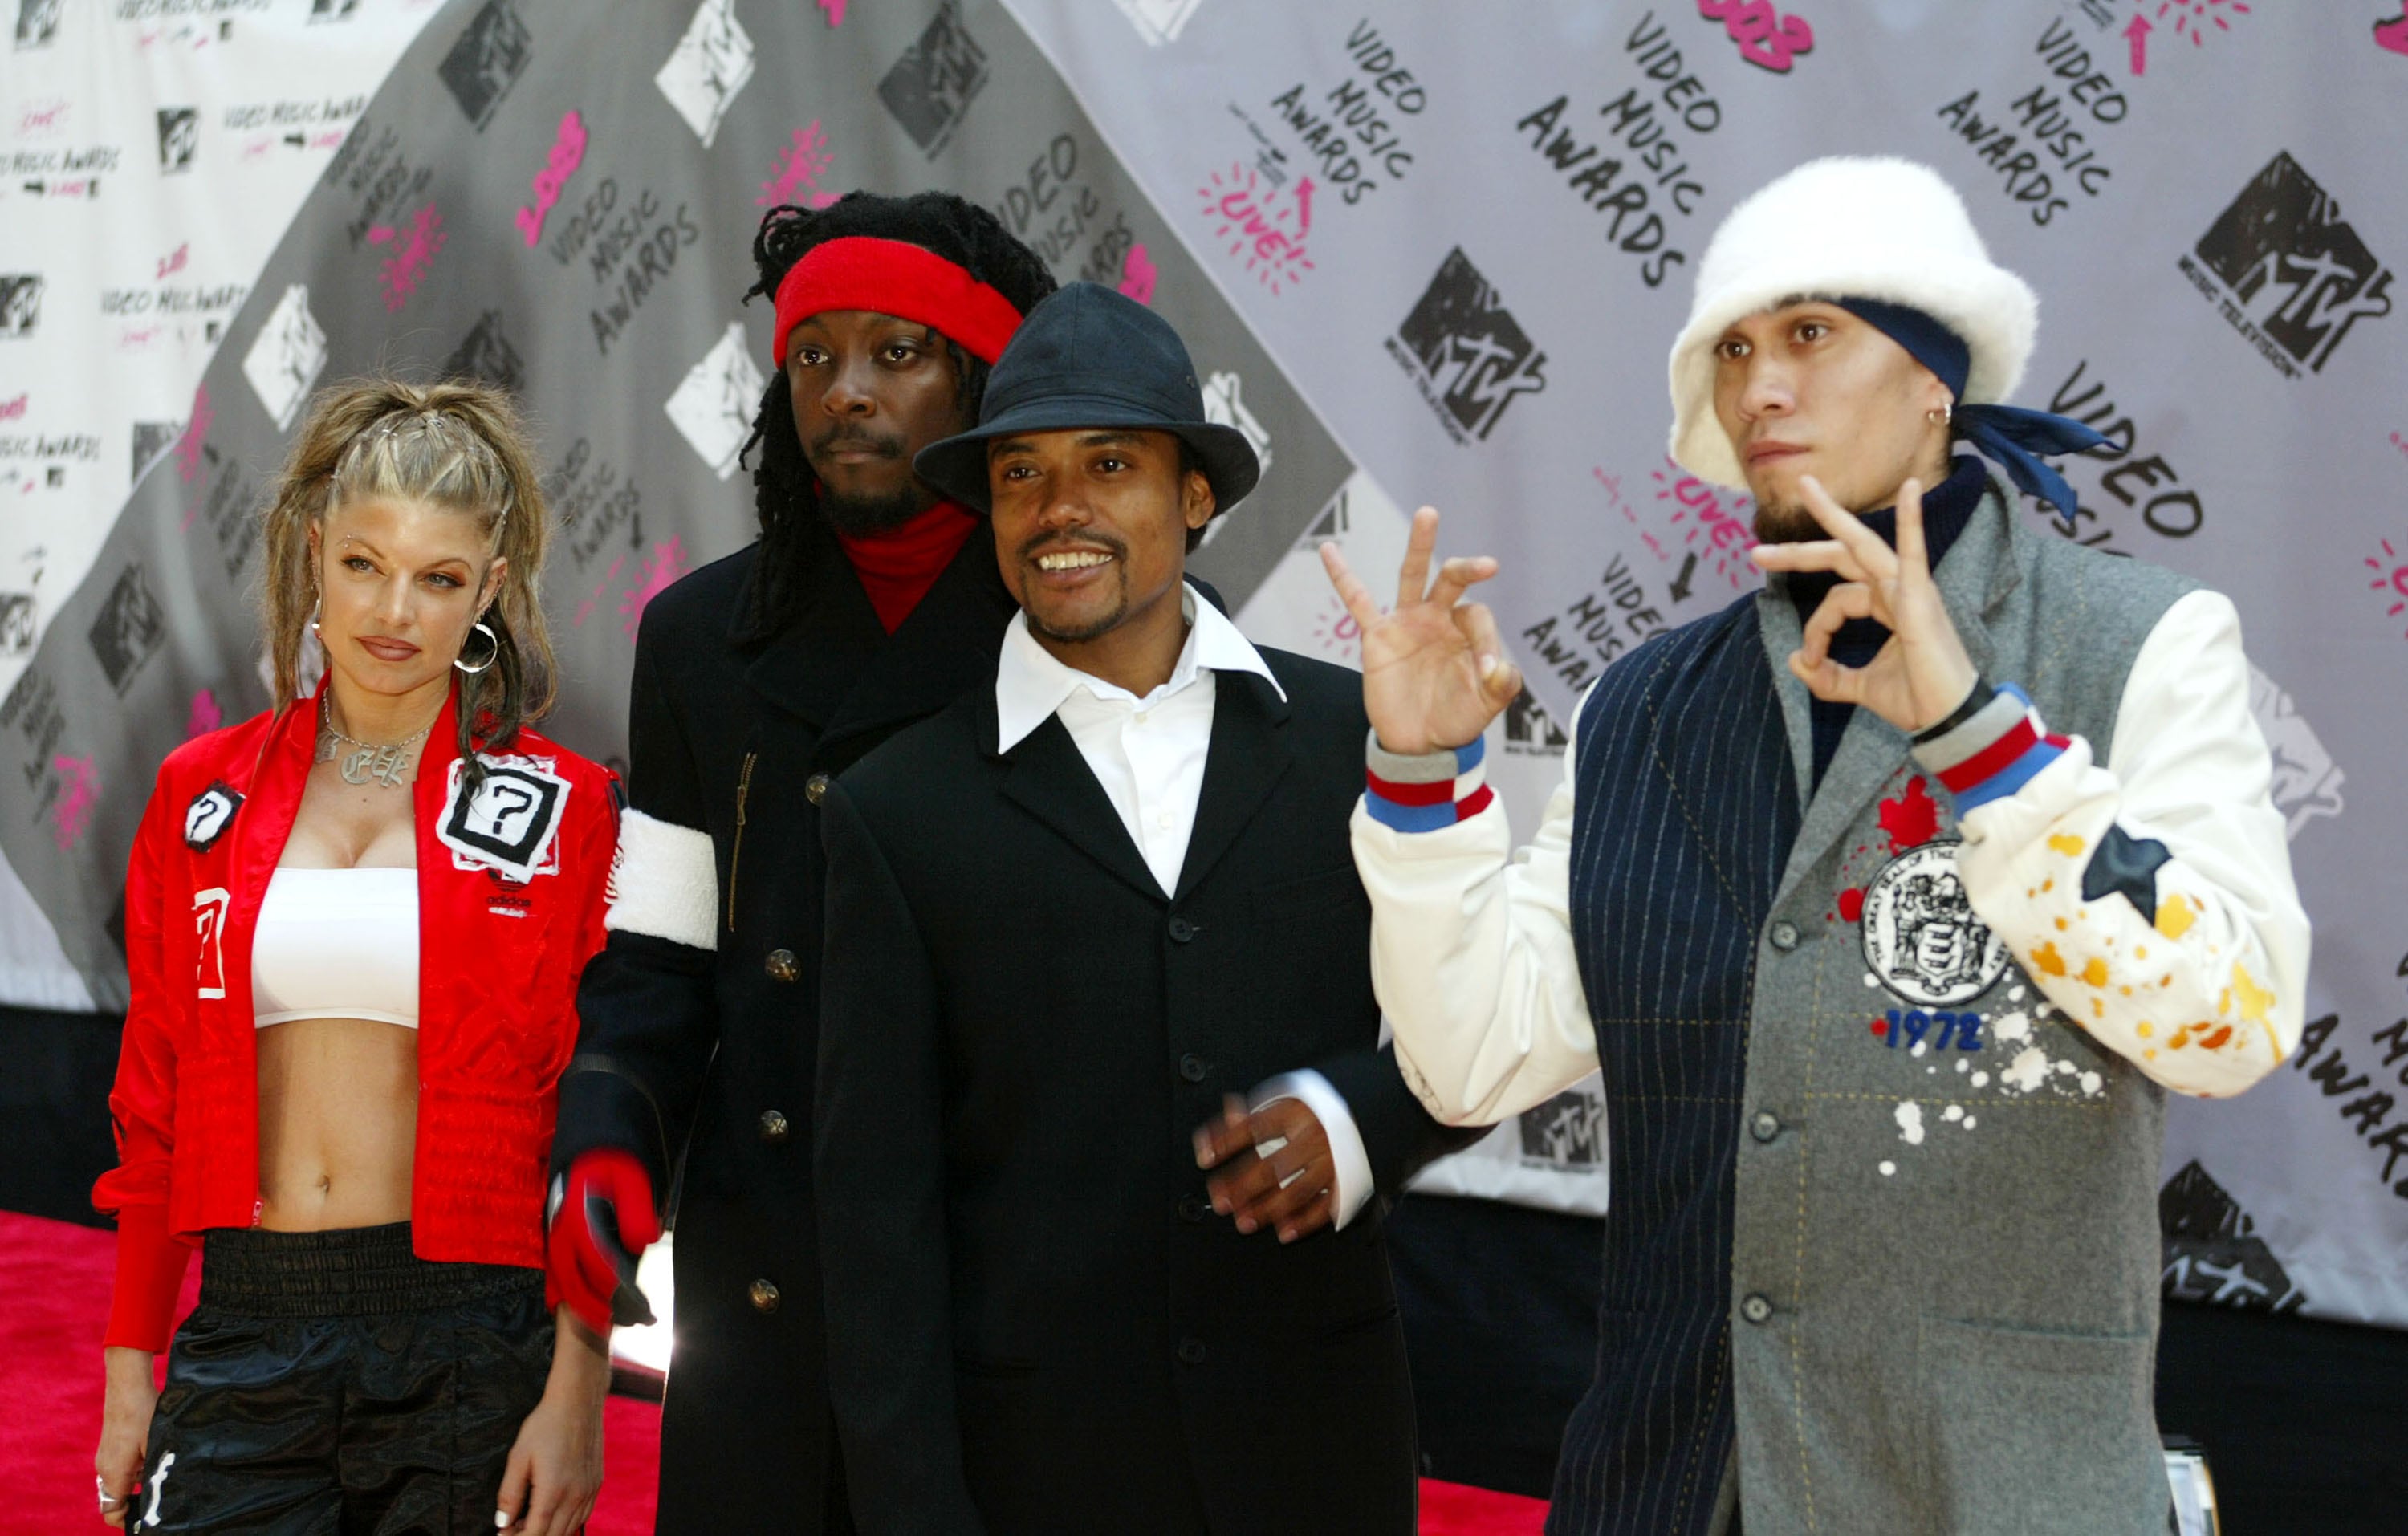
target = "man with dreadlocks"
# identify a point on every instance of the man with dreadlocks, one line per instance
(864, 605)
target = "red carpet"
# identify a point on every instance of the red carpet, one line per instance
(55, 1304)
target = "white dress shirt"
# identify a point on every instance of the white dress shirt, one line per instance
(1149, 755)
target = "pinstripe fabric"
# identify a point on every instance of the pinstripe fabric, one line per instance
(1686, 806)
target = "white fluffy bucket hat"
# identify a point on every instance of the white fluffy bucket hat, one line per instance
(1847, 228)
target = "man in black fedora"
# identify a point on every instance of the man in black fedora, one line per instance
(1093, 931)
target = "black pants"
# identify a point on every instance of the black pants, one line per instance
(332, 1383)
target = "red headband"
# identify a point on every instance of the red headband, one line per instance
(900, 279)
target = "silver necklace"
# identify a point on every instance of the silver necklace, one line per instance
(366, 761)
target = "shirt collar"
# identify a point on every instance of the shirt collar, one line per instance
(1031, 683)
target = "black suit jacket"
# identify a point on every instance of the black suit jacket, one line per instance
(705, 1055)
(1036, 1322)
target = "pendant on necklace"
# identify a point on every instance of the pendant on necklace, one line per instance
(383, 765)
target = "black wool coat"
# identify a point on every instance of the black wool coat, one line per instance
(1036, 1322)
(704, 1057)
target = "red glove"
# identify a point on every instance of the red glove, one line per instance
(604, 1219)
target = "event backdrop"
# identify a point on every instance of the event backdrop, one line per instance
(1420, 253)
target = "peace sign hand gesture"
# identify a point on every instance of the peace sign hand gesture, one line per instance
(1922, 673)
(1434, 671)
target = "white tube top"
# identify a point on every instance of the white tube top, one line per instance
(336, 944)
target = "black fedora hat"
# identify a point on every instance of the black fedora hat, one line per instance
(1091, 357)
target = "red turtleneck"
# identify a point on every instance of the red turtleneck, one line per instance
(899, 567)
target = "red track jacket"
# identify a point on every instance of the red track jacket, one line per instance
(510, 896)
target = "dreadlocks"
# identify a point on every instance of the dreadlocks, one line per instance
(782, 483)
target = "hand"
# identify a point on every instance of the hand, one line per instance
(1275, 1166)
(555, 1465)
(1922, 674)
(578, 1256)
(124, 1429)
(1434, 671)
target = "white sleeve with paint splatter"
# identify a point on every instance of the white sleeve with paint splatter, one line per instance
(2185, 948)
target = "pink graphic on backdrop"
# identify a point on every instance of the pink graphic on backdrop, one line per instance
(567, 154)
(1137, 273)
(2136, 32)
(800, 166)
(169, 265)
(1265, 229)
(2393, 34)
(206, 715)
(664, 565)
(834, 11)
(414, 250)
(1765, 39)
(196, 436)
(585, 609)
(71, 816)
(1717, 529)
(2194, 17)
(13, 410)
(2391, 580)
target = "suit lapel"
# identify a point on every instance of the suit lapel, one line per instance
(1249, 755)
(1045, 776)
(1973, 578)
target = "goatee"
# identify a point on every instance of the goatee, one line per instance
(866, 517)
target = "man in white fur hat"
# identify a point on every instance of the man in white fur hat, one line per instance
(1889, 900)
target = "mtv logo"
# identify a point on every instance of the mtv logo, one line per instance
(1566, 1131)
(37, 22)
(128, 628)
(2299, 270)
(2307, 782)
(1470, 347)
(1529, 728)
(486, 355)
(715, 403)
(284, 362)
(153, 438)
(333, 11)
(16, 624)
(180, 137)
(20, 303)
(709, 64)
(1159, 22)
(931, 85)
(2212, 1252)
(486, 61)
(1224, 408)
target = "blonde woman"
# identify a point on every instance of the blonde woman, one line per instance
(354, 925)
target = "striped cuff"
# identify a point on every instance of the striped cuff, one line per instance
(1424, 791)
(1992, 753)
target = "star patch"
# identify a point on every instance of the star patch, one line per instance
(2126, 866)
(209, 814)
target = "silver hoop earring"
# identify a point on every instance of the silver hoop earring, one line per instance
(1942, 415)
(492, 650)
(315, 609)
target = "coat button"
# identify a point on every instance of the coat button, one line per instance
(781, 965)
(765, 1296)
(815, 788)
(774, 1129)
(1755, 1309)
(1192, 1208)
(1765, 1126)
(1180, 930)
(1191, 1067)
(1190, 1352)
(1785, 935)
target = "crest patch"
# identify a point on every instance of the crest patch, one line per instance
(209, 814)
(1921, 939)
(510, 823)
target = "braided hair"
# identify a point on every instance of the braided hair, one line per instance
(783, 493)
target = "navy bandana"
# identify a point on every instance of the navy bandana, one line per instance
(2011, 436)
